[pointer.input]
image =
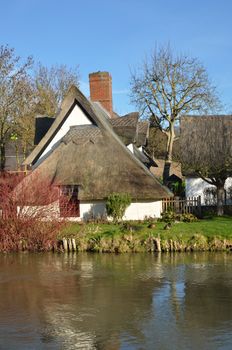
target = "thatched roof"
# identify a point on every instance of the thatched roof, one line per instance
(206, 143)
(143, 133)
(126, 127)
(128, 120)
(174, 170)
(130, 129)
(94, 158)
(144, 157)
(100, 165)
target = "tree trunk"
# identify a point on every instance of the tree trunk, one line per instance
(166, 171)
(24, 150)
(2, 156)
(17, 156)
(220, 199)
(168, 158)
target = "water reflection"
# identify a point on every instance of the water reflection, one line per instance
(93, 301)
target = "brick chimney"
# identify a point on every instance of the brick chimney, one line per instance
(100, 84)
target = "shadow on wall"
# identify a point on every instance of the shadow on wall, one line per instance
(94, 211)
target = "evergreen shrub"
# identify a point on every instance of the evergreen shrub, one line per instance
(116, 205)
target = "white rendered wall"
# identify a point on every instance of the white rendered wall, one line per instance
(97, 209)
(76, 117)
(50, 211)
(130, 147)
(94, 209)
(139, 210)
(195, 187)
(136, 211)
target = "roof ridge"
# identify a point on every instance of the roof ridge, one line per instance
(83, 126)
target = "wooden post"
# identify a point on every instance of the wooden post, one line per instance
(65, 244)
(199, 205)
(171, 245)
(157, 244)
(74, 247)
(70, 245)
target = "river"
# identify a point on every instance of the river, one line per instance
(107, 301)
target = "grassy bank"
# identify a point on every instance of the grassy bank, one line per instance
(206, 234)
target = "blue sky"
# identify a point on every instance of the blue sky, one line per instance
(115, 35)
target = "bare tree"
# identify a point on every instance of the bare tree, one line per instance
(206, 151)
(167, 86)
(23, 135)
(51, 85)
(156, 146)
(48, 87)
(15, 93)
(24, 94)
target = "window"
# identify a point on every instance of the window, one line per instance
(69, 203)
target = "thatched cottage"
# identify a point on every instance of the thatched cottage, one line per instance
(91, 152)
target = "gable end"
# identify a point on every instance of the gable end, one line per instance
(61, 124)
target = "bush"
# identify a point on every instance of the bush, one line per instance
(188, 217)
(170, 216)
(178, 188)
(24, 223)
(131, 226)
(116, 205)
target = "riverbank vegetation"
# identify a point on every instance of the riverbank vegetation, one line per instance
(34, 234)
(212, 233)
(33, 227)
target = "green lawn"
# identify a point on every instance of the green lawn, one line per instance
(136, 235)
(213, 227)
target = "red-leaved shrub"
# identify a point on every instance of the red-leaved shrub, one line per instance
(29, 214)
